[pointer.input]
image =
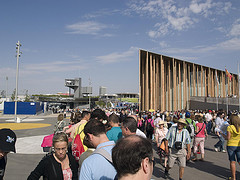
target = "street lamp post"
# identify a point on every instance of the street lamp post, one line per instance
(16, 92)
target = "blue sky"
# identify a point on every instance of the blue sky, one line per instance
(100, 40)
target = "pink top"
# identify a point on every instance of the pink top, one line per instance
(67, 174)
(202, 132)
(161, 133)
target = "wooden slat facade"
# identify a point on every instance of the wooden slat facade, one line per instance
(167, 83)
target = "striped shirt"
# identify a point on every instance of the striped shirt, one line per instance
(182, 136)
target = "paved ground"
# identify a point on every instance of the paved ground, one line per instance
(29, 153)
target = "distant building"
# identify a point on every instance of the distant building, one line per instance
(76, 85)
(167, 83)
(102, 90)
(128, 95)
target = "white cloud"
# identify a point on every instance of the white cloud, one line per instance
(175, 15)
(228, 45)
(163, 44)
(235, 30)
(118, 57)
(55, 66)
(87, 27)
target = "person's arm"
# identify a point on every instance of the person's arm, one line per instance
(166, 145)
(156, 137)
(228, 135)
(38, 171)
(188, 151)
(85, 172)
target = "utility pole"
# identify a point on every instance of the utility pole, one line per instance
(16, 93)
(90, 83)
(6, 88)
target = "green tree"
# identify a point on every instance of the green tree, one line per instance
(27, 97)
(13, 94)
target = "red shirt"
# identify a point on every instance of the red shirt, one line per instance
(202, 132)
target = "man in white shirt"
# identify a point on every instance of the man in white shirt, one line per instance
(208, 118)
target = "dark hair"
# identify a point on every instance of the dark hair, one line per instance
(94, 127)
(128, 153)
(114, 118)
(85, 113)
(99, 114)
(130, 123)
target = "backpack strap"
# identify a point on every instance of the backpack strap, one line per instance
(104, 153)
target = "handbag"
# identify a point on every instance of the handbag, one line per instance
(178, 144)
(47, 141)
(77, 148)
(162, 146)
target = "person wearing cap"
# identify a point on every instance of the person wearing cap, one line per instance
(7, 144)
(160, 134)
(177, 139)
(157, 120)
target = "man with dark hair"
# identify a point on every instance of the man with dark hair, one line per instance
(133, 158)
(7, 143)
(129, 127)
(98, 165)
(99, 115)
(115, 132)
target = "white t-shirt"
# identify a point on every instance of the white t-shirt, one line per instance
(208, 117)
(140, 133)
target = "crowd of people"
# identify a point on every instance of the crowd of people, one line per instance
(118, 144)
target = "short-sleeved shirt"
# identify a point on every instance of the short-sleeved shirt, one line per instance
(235, 136)
(183, 136)
(97, 167)
(114, 134)
(202, 127)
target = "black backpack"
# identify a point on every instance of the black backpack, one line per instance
(149, 126)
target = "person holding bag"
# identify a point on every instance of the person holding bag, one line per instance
(160, 134)
(199, 138)
(58, 165)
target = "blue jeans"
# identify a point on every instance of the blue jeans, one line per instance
(220, 143)
(209, 127)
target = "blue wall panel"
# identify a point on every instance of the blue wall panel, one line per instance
(22, 107)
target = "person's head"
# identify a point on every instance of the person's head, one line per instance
(86, 115)
(235, 120)
(161, 124)
(113, 119)
(187, 115)
(129, 126)
(60, 144)
(168, 118)
(133, 155)
(175, 119)
(60, 117)
(181, 123)
(99, 115)
(7, 142)
(93, 131)
(199, 118)
(149, 116)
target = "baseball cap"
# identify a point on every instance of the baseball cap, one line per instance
(7, 140)
(187, 114)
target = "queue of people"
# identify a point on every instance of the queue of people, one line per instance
(117, 144)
